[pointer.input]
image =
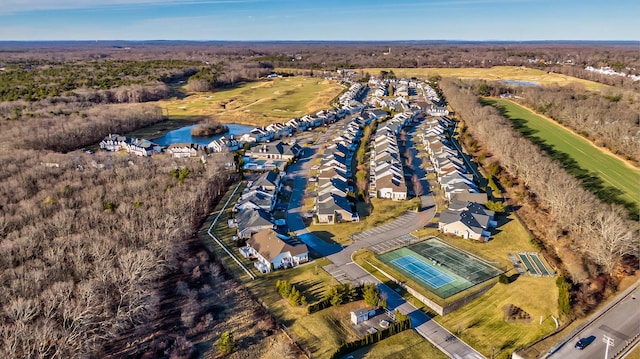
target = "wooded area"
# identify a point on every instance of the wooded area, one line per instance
(587, 237)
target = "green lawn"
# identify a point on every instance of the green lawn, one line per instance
(606, 175)
(407, 344)
(322, 332)
(256, 103)
(481, 322)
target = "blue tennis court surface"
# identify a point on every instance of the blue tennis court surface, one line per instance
(423, 271)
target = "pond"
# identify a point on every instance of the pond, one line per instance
(520, 83)
(183, 135)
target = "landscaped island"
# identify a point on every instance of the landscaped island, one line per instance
(208, 128)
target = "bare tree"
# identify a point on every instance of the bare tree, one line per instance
(613, 238)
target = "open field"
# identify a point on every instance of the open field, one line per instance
(256, 103)
(481, 323)
(380, 212)
(609, 177)
(322, 332)
(497, 73)
(407, 344)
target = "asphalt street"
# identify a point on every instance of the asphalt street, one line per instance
(620, 321)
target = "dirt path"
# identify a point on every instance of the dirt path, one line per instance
(605, 150)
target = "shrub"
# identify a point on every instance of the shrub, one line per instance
(371, 294)
(226, 343)
(503, 279)
(402, 323)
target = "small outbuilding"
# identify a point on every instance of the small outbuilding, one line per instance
(359, 316)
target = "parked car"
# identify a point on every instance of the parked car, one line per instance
(384, 324)
(372, 330)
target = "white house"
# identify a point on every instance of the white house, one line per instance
(113, 142)
(274, 251)
(467, 220)
(143, 147)
(182, 150)
(224, 144)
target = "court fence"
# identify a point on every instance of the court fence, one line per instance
(440, 308)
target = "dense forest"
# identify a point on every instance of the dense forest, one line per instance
(589, 240)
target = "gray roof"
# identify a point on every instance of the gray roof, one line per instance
(330, 202)
(266, 180)
(259, 198)
(473, 215)
(252, 218)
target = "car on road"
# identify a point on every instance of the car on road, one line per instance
(584, 342)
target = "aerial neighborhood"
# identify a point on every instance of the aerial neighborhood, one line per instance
(380, 198)
(216, 179)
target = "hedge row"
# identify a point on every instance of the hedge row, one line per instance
(369, 339)
(338, 294)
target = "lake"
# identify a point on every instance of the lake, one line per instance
(183, 135)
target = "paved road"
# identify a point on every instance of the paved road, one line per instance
(620, 321)
(299, 172)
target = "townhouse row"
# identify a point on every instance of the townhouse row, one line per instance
(466, 215)
(332, 204)
(386, 177)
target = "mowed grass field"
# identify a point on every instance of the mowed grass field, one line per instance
(496, 73)
(407, 344)
(481, 323)
(256, 103)
(613, 171)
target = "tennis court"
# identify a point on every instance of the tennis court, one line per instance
(439, 267)
(431, 275)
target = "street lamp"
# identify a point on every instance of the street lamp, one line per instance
(608, 341)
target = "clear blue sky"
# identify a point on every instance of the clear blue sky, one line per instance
(516, 20)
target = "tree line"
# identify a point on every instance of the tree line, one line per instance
(588, 237)
(65, 127)
(609, 118)
(85, 242)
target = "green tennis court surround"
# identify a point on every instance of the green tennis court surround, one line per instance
(439, 267)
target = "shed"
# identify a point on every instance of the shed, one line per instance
(359, 316)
